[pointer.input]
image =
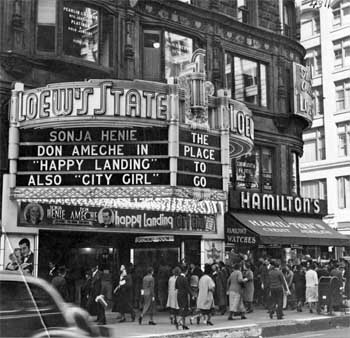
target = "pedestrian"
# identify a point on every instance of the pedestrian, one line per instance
(205, 300)
(265, 283)
(299, 287)
(311, 293)
(85, 289)
(122, 295)
(220, 280)
(288, 275)
(235, 292)
(52, 270)
(172, 304)
(277, 286)
(162, 283)
(96, 305)
(148, 297)
(60, 283)
(248, 290)
(183, 293)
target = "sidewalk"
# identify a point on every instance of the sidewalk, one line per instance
(258, 324)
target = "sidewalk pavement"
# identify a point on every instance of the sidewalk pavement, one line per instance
(257, 325)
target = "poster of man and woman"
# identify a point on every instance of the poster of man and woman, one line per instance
(19, 251)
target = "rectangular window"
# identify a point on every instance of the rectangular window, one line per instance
(81, 31)
(316, 189)
(341, 53)
(46, 26)
(242, 11)
(85, 32)
(314, 60)
(343, 131)
(343, 184)
(310, 25)
(341, 13)
(342, 95)
(152, 55)
(174, 49)
(178, 51)
(246, 79)
(255, 171)
(318, 95)
(314, 146)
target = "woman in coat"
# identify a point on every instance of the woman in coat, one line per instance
(248, 290)
(172, 304)
(183, 293)
(148, 297)
(205, 300)
(235, 292)
(123, 296)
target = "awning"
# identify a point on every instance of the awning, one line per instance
(275, 229)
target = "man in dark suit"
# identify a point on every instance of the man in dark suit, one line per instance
(27, 256)
(95, 305)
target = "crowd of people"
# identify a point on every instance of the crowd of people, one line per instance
(192, 295)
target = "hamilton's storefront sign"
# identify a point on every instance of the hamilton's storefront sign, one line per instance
(57, 215)
(255, 201)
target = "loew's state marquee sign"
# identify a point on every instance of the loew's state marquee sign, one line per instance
(102, 140)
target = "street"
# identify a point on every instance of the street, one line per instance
(334, 333)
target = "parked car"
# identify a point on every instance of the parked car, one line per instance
(30, 307)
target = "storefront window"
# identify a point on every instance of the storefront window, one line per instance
(176, 51)
(255, 171)
(246, 79)
(86, 32)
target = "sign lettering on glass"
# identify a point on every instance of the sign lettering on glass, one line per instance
(93, 156)
(111, 218)
(199, 164)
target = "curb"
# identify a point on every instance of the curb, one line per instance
(262, 330)
(297, 326)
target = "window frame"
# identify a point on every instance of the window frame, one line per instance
(311, 60)
(342, 87)
(321, 185)
(58, 51)
(259, 149)
(341, 45)
(259, 64)
(340, 7)
(317, 138)
(343, 191)
(196, 43)
(318, 98)
(346, 133)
